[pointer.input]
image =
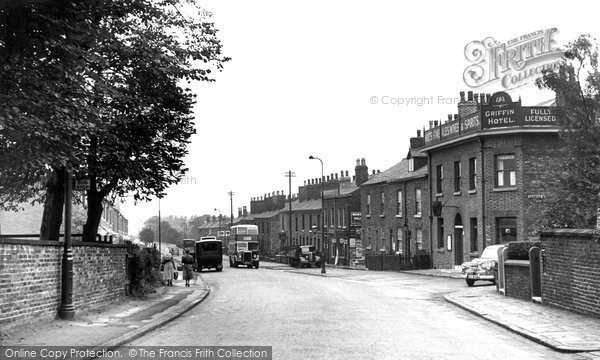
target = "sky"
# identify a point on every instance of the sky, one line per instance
(339, 80)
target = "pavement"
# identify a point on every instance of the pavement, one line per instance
(122, 322)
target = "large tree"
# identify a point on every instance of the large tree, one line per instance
(132, 58)
(45, 106)
(576, 83)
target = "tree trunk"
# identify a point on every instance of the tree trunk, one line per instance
(94, 215)
(53, 206)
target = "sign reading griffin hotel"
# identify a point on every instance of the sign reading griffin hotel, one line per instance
(501, 111)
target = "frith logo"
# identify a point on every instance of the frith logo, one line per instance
(513, 63)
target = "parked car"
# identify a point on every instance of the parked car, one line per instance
(482, 268)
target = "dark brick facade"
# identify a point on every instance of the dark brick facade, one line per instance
(393, 223)
(571, 270)
(30, 278)
(500, 204)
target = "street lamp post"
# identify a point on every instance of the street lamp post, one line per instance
(220, 220)
(323, 271)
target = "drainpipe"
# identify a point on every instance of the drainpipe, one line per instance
(430, 207)
(481, 140)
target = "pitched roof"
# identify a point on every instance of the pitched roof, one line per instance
(345, 189)
(306, 205)
(398, 172)
(267, 214)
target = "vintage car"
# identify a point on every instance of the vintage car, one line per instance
(303, 256)
(482, 268)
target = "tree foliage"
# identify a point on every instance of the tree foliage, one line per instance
(147, 235)
(100, 85)
(576, 83)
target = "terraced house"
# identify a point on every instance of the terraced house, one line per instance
(395, 211)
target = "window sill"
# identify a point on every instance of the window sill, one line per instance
(399, 216)
(474, 191)
(441, 250)
(457, 193)
(368, 216)
(505, 188)
(439, 194)
(417, 216)
(381, 216)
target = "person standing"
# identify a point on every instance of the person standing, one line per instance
(188, 270)
(168, 269)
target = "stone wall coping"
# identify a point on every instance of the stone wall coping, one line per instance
(75, 243)
(523, 263)
(572, 232)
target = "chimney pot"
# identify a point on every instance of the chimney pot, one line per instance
(363, 162)
(336, 176)
(435, 123)
(449, 117)
(347, 173)
(418, 133)
(455, 117)
(462, 96)
(378, 171)
(430, 124)
(357, 162)
(470, 96)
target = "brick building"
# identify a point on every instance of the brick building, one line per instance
(489, 182)
(342, 204)
(395, 207)
(27, 221)
(265, 214)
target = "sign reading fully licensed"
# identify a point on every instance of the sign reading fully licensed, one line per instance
(503, 112)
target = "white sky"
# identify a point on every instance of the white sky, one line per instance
(301, 80)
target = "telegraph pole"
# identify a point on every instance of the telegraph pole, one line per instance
(290, 175)
(231, 193)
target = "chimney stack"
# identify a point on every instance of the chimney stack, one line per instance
(361, 171)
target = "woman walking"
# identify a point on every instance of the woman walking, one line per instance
(188, 271)
(168, 269)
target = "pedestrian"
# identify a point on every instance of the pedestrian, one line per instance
(188, 271)
(168, 269)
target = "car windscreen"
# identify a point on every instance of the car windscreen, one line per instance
(252, 246)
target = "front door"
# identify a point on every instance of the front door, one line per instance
(458, 240)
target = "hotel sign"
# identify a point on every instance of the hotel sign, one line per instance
(500, 112)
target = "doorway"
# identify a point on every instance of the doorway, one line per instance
(458, 240)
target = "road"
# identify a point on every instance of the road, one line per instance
(347, 314)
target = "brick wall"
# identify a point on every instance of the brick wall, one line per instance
(518, 282)
(30, 278)
(571, 270)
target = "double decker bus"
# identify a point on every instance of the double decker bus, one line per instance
(243, 246)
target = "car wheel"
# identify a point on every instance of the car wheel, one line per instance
(250, 266)
(470, 282)
(219, 267)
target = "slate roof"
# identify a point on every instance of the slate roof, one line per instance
(398, 172)
(346, 189)
(307, 205)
